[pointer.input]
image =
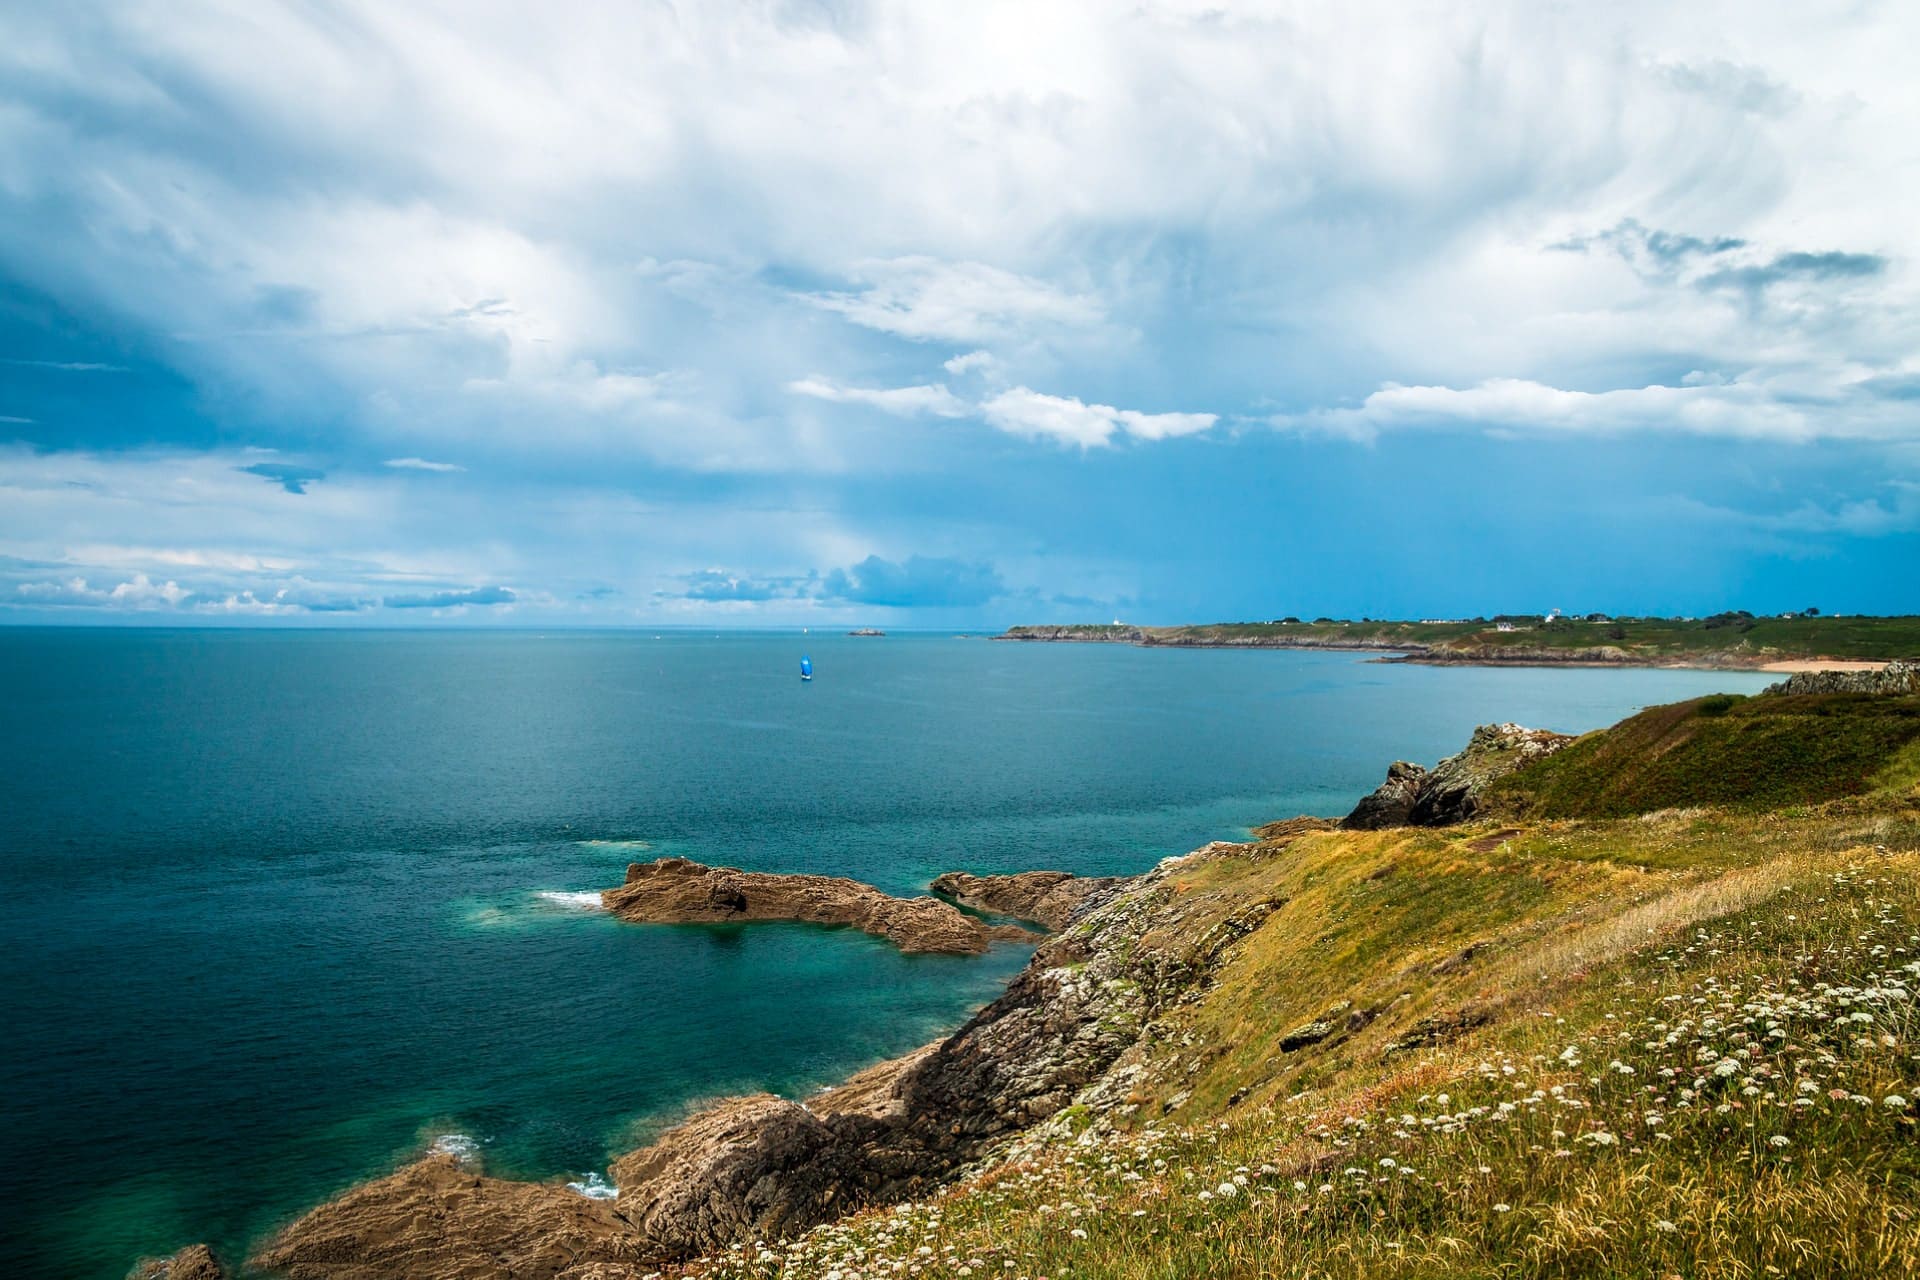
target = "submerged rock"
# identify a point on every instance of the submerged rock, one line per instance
(680, 891)
(1051, 898)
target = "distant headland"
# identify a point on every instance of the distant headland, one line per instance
(1735, 640)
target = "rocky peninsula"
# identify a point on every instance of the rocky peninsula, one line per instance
(1323, 969)
(681, 891)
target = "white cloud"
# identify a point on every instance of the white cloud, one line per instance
(1785, 409)
(971, 362)
(902, 401)
(924, 299)
(1068, 420)
(422, 464)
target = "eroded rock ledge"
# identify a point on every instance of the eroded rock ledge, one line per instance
(680, 891)
(1073, 1026)
(1051, 898)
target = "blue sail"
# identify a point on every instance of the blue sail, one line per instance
(806, 668)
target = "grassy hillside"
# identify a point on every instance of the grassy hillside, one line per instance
(1753, 753)
(1677, 1044)
(1731, 639)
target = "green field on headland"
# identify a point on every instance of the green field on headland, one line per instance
(1735, 639)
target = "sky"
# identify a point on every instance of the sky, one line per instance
(777, 314)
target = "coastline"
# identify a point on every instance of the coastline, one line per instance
(1418, 654)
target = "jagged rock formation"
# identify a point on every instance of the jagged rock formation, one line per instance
(680, 891)
(1453, 790)
(192, 1263)
(1896, 678)
(1051, 898)
(1391, 803)
(1072, 1027)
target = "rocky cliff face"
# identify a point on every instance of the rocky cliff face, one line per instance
(1896, 678)
(1453, 790)
(1051, 898)
(680, 891)
(761, 1167)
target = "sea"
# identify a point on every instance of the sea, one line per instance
(282, 910)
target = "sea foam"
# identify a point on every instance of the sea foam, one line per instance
(585, 900)
(594, 1187)
(458, 1145)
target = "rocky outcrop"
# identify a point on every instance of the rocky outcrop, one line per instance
(1455, 789)
(1391, 803)
(1051, 898)
(194, 1262)
(1522, 655)
(761, 1167)
(680, 891)
(441, 1221)
(1901, 676)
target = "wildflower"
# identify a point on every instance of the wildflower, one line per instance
(1779, 1140)
(1665, 1226)
(1895, 1101)
(1503, 1208)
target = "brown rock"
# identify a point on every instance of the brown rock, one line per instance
(194, 1262)
(1391, 803)
(1051, 898)
(680, 891)
(437, 1221)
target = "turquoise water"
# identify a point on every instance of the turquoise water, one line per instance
(272, 917)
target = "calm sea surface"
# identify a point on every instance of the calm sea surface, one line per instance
(278, 910)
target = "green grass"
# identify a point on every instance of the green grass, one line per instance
(1708, 1071)
(1751, 753)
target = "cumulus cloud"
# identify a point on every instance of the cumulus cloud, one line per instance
(1068, 420)
(959, 366)
(901, 401)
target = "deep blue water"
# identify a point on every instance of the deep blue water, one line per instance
(269, 901)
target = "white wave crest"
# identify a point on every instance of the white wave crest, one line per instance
(586, 900)
(594, 1187)
(458, 1145)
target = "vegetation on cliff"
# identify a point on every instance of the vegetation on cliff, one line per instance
(1678, 1043)
(1645, 1007)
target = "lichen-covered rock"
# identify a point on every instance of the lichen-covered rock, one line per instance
(1051, 898)
(1391, 803)
(1455, 789)
(1901, 676)
(681, 891)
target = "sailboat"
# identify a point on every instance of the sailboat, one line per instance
(806, 667)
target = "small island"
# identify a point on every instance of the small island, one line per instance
(867, 631)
